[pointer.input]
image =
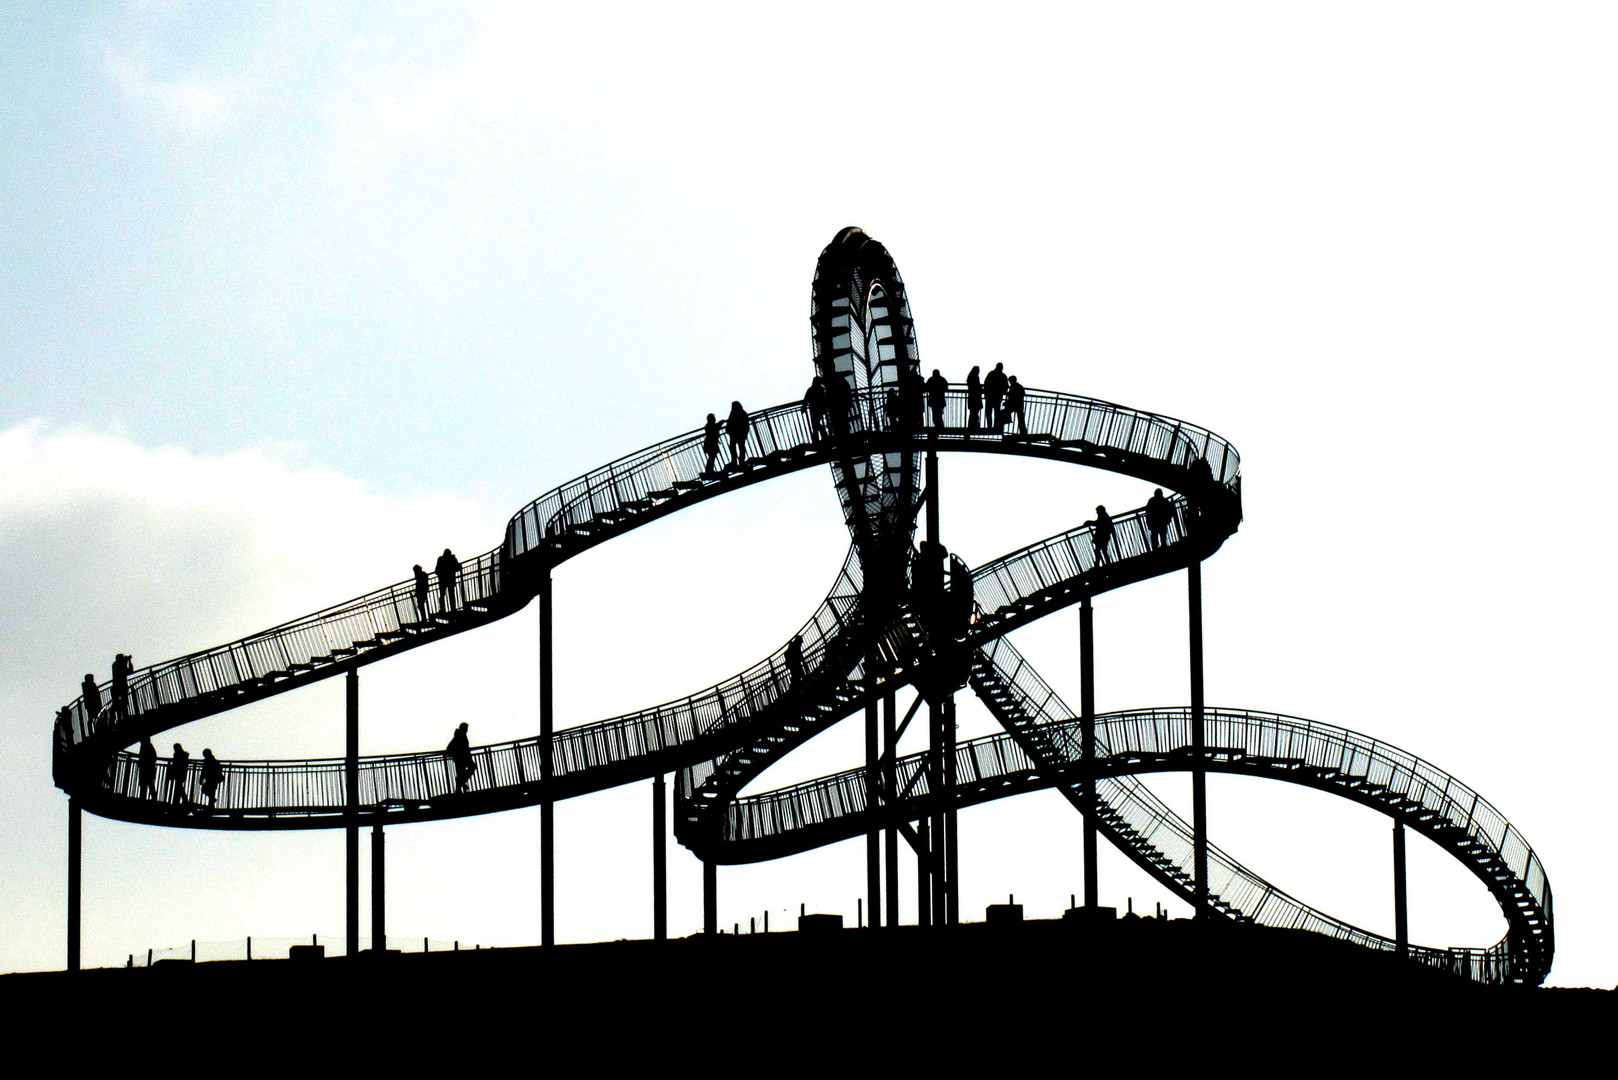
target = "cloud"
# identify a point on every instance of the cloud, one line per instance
(189, 101)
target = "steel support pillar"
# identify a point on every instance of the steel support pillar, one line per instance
(351, 809)
(660, 859)
(1199, 770)
(873, 799)
(547, 805)
(1401, 914)
(710, 897)
(924, 874)
(1087, 722)
(890, 794)
(952, 862)
(75, 879)
(379, 890)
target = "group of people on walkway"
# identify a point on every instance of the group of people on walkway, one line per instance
(992, 402)
(448, 570)
(737, 426)
(177, 776)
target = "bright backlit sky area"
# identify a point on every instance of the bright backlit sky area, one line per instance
(292, 297)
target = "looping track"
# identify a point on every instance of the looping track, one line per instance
(722, 737)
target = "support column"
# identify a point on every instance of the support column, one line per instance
(1087, 722)
(1401, 915)
(379, 895)
(952, 862)
(890, 794)
(924, 872)
(660, 859)
(351, 811)
(75, 879)
(873, 800)
(1199, 771)
(547, 805)
(710, 897)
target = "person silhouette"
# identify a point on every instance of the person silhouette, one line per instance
(736, 426)
(912, 398)
(92, 700)
(423, 587)
(1014, 402)
(795, 659)
(937, 388)
(974, 399)
(120, 686)
(710, 442)
(459, 751)
(213, 774)
(147, 769)
(1159, 512)
(814, 403)
(839, 400)
(994, 388)
(1102, 537)
(178, 776)
(448, 569)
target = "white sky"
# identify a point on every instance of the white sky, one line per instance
(293, 297)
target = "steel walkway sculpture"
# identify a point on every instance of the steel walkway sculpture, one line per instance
(878, 629)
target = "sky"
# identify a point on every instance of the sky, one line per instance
(292, 297)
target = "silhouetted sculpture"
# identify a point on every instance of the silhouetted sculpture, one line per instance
(147, 769)
(459, 751)
(937, 387)
(795, 659)
(448, 569)
(179, 767)
(814, 402)
(994, 389)
(1014, 403)
(92, 699)
(736, 426)
(213, 774)
(710, 442)
(121, 667)
(1159, 512)
(423, 588)
(1102, 537)
(974, 399)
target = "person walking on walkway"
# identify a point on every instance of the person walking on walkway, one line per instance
(1159, 512)
(814, 403)
(92, 700)
(459, 751)
(974, 399)
(121, 667)
(795, 659)
(178, 776)
(147, 769)
(423, 588)
(213, 774)
(448, 569)
(710, 442)
(1014, 401)
(937, 388)
(994, 388)
(736, 426)
(839, 400)
(1102, 537)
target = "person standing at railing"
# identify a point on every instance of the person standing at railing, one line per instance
(937, 387)
(1159, 512)
(1102, 536)
(795, 659)
(912, 398)
(814, 403)
(92, 700)
(213, 774)
(121, 667)
(146, 769)
(974, 399)
(994, 388)
(459, 751)
(710, 442)
(737, 426)
(423, 588)
(178, 777)
(448, 569)
(1014, 403)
